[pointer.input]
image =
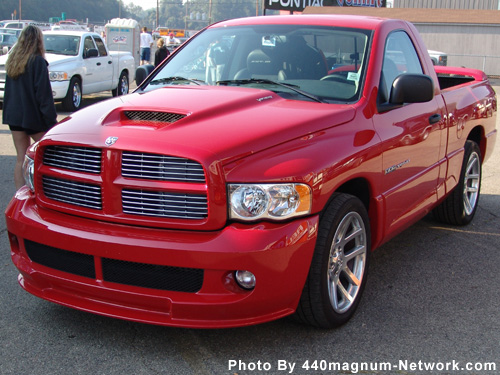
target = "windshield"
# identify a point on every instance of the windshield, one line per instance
(8, 38)
(62, 44)
(299, 62)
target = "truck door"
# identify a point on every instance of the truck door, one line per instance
(411, 136)
(96, 68)
(106, 73)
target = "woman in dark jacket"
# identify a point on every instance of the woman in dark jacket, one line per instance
(161, 52)
(28, 106)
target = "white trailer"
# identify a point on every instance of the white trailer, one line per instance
(123, 34)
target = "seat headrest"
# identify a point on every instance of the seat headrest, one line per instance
(258, 62)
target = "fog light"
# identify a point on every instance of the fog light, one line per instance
(245, 279)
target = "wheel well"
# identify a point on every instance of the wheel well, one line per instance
(477, 135)
(126, 72)
(358, 187)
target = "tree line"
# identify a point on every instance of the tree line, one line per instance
(176, 14)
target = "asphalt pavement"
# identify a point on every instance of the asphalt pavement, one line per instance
(432, 301)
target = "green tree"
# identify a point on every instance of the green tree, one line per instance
(172, 14)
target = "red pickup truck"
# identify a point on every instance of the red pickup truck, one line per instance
(251, 174)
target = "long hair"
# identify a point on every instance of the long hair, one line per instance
(29, 45)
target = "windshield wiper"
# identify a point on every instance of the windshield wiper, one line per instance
(294, 88)
(198, 82)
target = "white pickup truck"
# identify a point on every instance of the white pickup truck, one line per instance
(80, 64)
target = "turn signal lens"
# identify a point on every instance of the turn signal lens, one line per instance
(29, 172)
(58, 76)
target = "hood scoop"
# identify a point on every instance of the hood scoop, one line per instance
(149, 118)
(152, 116)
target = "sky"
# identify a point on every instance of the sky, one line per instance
(145, 4)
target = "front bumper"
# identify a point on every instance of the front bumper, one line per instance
(69, 257)
(59, 89)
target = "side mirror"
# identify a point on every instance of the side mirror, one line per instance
(411, 88)
(142, 72)
(91, 52)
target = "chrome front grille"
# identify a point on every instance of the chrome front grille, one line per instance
(148, 116)
(73, 192)
(91, 179)
(161, 168)
(82, 159)
(164, 204)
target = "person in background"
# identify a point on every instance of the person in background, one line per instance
(161, 52)
(28, 106)
(172, 40)
(146, 44)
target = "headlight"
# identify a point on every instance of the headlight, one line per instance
(28, 172)
(268, 201)
(58, 76)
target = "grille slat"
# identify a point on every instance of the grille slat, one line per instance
(161, 168)
(73, 192)
(163, 204)
(82, 159)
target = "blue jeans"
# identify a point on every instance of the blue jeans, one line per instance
(145, 53)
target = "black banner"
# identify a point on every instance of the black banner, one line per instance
(300, 5)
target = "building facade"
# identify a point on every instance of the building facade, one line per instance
(447, 4)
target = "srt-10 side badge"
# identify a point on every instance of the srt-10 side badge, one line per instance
(110, 141)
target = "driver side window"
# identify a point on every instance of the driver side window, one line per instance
(87, 45)
(399, 57)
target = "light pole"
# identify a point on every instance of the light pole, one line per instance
(157, 12)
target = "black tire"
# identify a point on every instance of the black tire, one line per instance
(73, 100)
(123, 85)
(338, 270)
(460, 206)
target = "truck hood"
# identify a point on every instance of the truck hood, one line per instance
(51, 58)
(216, 123)
(54, 59)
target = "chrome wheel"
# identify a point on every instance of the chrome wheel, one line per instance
(472, 180)
(77, 95)
(123, 85)
(461, 204)
(337, 275)
(123, 88)
(347, 262)
(73, 99)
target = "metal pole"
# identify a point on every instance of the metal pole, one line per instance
(210, 12)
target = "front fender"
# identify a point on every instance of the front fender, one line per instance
(324, 160)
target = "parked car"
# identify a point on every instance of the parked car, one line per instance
(7, 30)
(438, 58)
(21, 24)
(80, 64)
(251, 174)
(6, 42)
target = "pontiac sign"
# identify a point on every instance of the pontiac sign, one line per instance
(300, 5)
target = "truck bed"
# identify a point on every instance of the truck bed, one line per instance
(453, 76)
